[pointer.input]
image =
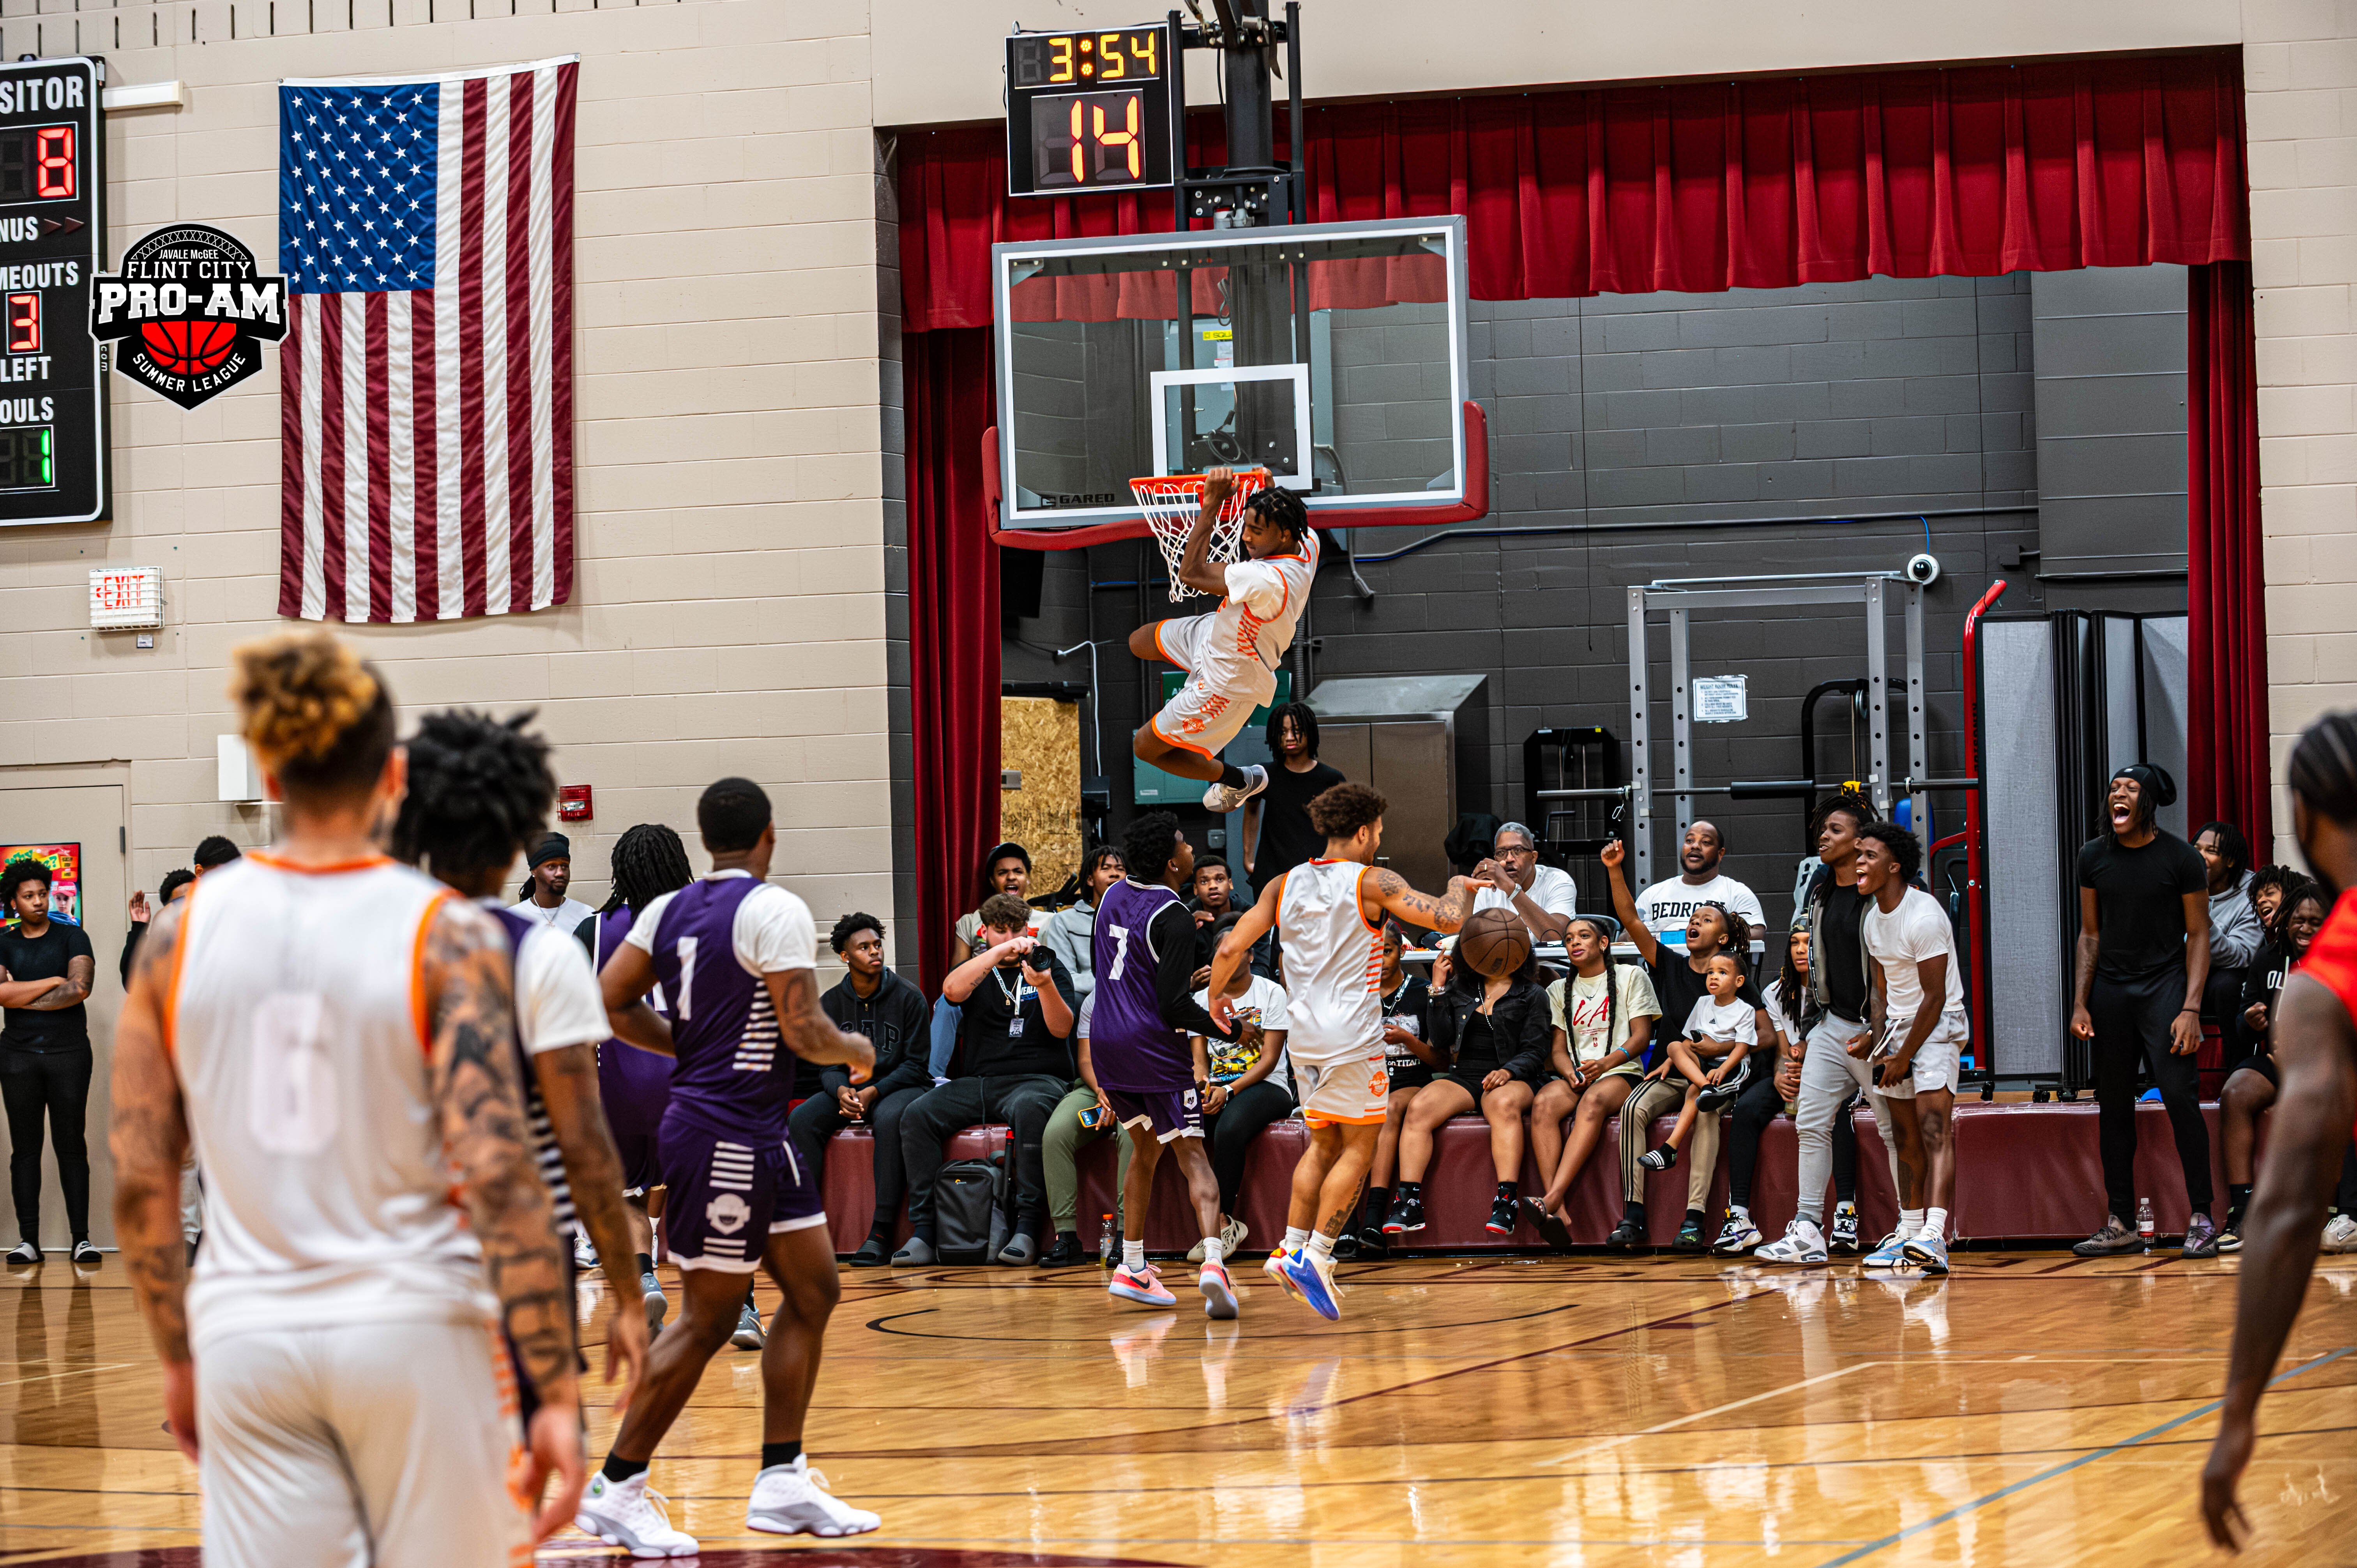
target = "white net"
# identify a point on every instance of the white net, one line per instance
(1171, 503)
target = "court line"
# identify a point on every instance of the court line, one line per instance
(2047, 1475)
(74, 1372)
(1673, 1425)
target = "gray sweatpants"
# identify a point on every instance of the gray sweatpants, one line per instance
(1829, 1076)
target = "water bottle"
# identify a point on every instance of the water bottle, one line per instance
(1108, 1243)
(2144, 1220)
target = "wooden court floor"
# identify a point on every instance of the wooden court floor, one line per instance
(2029, 1409)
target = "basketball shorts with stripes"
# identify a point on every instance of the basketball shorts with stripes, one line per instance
(1210, 707)
(1351, 1091)
(725, 1197)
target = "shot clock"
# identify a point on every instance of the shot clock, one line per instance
(1089, 111)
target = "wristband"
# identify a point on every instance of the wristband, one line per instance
(2181, 1012)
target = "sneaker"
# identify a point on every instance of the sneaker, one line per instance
(1232, 1236)
(2340, 1234)
(1144, 1287)
(793, 1500)
(1501, 1216)
(23, 1253)
(1312, 1278)
(1890, 1253)
(1406, 1215)
(1927, 1249)
(87, 1255)
(2201, 1237)
(1627, 1237)
(2112, 1240)
(1738, 1236)
(1844, 1235)
(1221, 799)
(1219, 1292)
(1801, 1242)
(749, 1335)
(1550, 1227)
(1658, 1159)
(657, 1305)
(625, 1514)
(584, 1254)
(1274, 1267)
(1690, 1238)
(1065, 1254)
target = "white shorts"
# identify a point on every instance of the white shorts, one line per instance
(1200, 718)
(383, 1443)
(1355, 1091)
(1937, 1061)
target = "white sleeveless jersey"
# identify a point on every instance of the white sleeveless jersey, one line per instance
(296, 1022)
(1333, 964)
(1253, 625)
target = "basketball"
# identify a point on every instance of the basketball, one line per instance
(1495, 942)
(188, 347)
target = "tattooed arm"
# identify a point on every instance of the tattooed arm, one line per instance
(808, 1032)
(1390, 894)
(149, 1137)
(65, 993)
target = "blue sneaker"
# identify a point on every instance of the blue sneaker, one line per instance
(1891, 1254)
(1930, 1251)
(1312, 1280)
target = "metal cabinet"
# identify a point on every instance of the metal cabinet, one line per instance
(1424, 741)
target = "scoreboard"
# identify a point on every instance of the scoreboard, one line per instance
(53, 413)
(1090, 110)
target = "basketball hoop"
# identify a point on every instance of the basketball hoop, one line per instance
(1172, 503)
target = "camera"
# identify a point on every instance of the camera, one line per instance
(1922, 570)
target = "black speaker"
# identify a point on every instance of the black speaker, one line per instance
(1020, 573)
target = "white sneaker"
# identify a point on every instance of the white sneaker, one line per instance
(584, 1254)
(793, 1500)
(2340, 1234)
(1223, 798)
(1801, 1242)
(625, 1514)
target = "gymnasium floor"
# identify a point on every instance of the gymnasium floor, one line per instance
(2031, 1409)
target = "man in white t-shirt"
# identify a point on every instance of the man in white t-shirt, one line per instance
(552, 872)
(1232, 654)
(1666, 905)
(1544, 896)
(1916, 1041)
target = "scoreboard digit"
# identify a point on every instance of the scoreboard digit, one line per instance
(1089, 111)
(53, 410)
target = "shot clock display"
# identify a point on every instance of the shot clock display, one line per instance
(28, 459)
(1089, 111)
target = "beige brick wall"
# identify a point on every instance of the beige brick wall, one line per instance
(2299, 67)
(729, 613)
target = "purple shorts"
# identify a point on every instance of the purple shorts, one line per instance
(642, 1160)
(727, 1196)
(1172, 1112)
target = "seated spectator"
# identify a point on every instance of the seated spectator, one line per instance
(2251, 1086)
(1071, 933)
(1602, 1017)
(1543, 896)
(1212, 898)
(2267, 885)
(1408, 1061)
(1250, 1086)
(1710, 1056)
(1494, 1034)
(1665, 905)
(1082, 1117)
(1005, 869)
(869, 1000)
(1015, 1025)
(2235, 930)
(176, 881)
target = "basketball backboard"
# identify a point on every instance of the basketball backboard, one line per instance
(1331, 354)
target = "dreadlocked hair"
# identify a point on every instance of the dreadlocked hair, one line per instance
(2323, 769)
(648, 861)
(318, 717)
(479, 789)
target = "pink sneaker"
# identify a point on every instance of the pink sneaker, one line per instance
(1144, 1287)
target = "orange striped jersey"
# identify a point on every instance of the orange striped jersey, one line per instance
(1333, 964)
(1253, 625)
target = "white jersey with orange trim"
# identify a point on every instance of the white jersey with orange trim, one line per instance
(1333, 964)
(1244, 641)
(296, 1022)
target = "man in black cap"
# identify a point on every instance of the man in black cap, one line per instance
(552, 874)
(2144, 956)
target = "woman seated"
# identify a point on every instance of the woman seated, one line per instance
(2251, 1086)
(1495, 1032)
(1250, 1086)
(1408, 1061)
(1602, 1014)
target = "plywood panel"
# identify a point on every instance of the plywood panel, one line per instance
(1040, 738)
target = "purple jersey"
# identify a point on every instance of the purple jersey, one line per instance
(635, 1085)
(1129, 1044)
(723, 1029)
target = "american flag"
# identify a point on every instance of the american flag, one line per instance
(425, 230)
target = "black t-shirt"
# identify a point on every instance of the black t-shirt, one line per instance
(1840, 926)
(44, 957)
(1678, 986)
(2140, 902)
(1287, 839)
(994, 1048)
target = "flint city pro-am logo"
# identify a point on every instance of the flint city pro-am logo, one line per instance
(192, 312)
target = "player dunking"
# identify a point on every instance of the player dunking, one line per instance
(355, 1405)
(1329, 915)
(738, 959)
(1230, 655)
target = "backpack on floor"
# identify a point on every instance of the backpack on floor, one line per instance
(968, 1199)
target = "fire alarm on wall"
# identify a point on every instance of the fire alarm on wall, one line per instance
(573, 803)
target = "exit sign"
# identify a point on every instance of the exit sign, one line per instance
(126, 598)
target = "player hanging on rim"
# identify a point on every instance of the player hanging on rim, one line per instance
(1230, 655)
(738, 957)
(1329, 917)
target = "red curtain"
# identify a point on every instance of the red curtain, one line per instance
(953, 631)
(2225, 589)
(1702, 187)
